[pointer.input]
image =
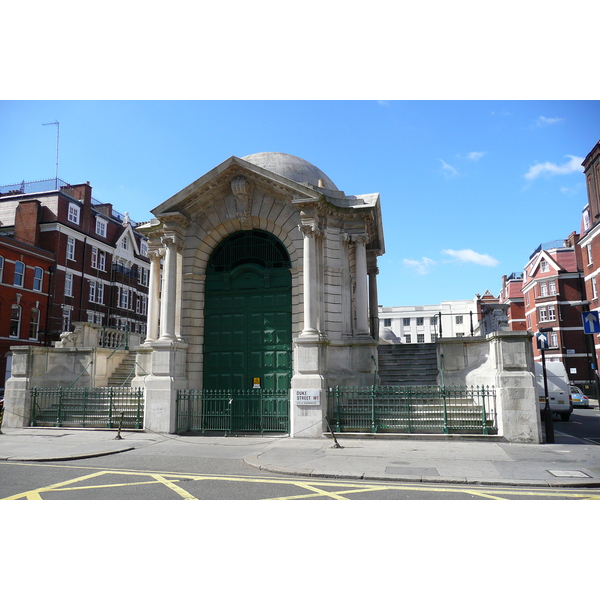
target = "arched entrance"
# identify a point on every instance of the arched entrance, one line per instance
(248, 314)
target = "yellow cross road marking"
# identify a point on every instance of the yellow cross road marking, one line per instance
(185, 495)
(336, 490)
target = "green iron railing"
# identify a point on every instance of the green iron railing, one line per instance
(418, 409)
(88, 407)
(233, 411)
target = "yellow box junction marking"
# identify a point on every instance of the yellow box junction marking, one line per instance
(316, 489)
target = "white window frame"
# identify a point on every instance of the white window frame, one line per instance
(70, 248)
(407, 338)
(551, 313)
(66, 319)
(420, 338)
(34, 311)
(92, 294)
(74, 213)
(589, 254)
(38, 279)
(19, 279)
(101, 226)
(594, 288)
(543, 313)
(101, 260)
(18, 320)
(544, 266)
(552, 287)
(69, 284)
(553, 342)
(100, 293)
(543, 288)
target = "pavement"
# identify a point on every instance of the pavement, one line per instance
(570, 462)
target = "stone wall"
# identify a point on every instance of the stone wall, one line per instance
(503, 360)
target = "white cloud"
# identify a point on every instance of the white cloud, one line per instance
(546, 121)
(475, 155)
(422, 267)
(448, 169)
(470, 256)
(573, 165)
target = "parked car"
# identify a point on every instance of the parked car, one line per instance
(579, 398)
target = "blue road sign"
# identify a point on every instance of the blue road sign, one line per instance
(542, 341)
(591, 321)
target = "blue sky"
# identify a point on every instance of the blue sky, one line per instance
(468, 188)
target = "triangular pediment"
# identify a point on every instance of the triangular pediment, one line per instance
(217, 182)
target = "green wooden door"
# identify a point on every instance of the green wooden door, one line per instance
(248, 328)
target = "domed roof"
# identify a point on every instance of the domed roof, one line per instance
(291, 167)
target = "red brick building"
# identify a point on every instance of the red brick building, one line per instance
(512, 295)
(94, 267)
(554, 297)
(25, 276)
(589, 241)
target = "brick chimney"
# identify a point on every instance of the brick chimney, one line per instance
(27, 218)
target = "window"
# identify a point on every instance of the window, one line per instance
(553, 341)
(144, 248)
(434, 320)
(68, 284)
(38, 276)
(552, 287)
(544, 266)
(419, 321)
(34, 324)
(1, 268)
(589, 254)
(144, 305)
(387, 322)
(594, 288)
(543, 288)
(125, 243)
(92, 296)
(73, 215)
(551, 313)
(70, 248)
(543, 313)
(406, 322)
(19, 273)
(101, 227)
(66, 319)
(15, 320)
(459, 320)
(407, 338)
(98, 260)
(100, 293)
(420, 338)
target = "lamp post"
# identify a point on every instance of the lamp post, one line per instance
(542, 342)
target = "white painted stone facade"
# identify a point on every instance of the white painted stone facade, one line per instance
(333, 242)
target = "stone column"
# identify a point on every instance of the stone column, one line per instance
(169, 291)
(373, 271)
(153, 296)
(310, 281)
(361, 296)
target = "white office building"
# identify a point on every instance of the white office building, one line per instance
(424, 324)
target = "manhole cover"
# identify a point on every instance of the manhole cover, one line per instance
(568, 473)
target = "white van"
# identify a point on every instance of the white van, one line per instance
(559, 389)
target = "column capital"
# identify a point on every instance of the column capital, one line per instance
(310, 229)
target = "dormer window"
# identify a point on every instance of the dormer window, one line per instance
(125, 243)
(74, 210)
(544, 266)
(101, 226)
